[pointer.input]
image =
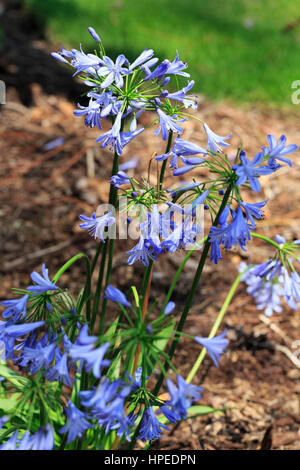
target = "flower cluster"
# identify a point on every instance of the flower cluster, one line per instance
(123, 90)
(276, 279)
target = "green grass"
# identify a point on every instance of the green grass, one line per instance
(226, 59)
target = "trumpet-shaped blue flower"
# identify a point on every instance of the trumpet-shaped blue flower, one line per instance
(120, 178)
(96, 225)
(43, 439)
(117, 140)
(182, 148)
(116, 295)
(82, 62)
(22, 329)
(233, 234)
(91, 113)
(16, 308)
(76, 425)
(182, 396)
(215, 142)
(180, 95)
(141, 252)
(42, 283)
(215, 346)
(93, 359)
(167, 123)
(145, 56)
(151, 427)
(60, 371)
(253, 210)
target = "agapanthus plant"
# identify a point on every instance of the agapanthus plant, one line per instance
(83, 379)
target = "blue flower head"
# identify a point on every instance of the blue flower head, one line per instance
(151, 427)
(167, 123)
(42, 283)
(96, 225)
(113, 72)
(182, 396)
(276, 151)
(251, 171)
(77, 423)
(215, 346)
(215, 142)
(16, 308)
(232, 234)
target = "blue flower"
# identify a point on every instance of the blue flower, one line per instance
(182, 148)
(117, 140)
(82, 62)
(60, 372)
(176, 67)
(16, 308)
(182, 396)
(158, 73)
(182, 189)
(91, 113)
(42, 284)
(113, 71)
(253, 210)
(233, 234)
(215, 346)
(77, 423)
(167, 123)
(142, 58)
(94, 34)
(250, 171)
(38, 357)
(180, 95)
(141, 252)
(291, 286)
(43, 439)
(169, 308)
(116, 295)
(96, 225)
(11, 443)
(93, 359)
(120, 178)
(277, 150)
(215, 142)
(105, 102)
(151, 427)
(15, 331)
(215, 254)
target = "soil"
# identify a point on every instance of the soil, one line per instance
(43, 191)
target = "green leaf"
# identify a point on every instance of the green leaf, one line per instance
(202, 410)
(160, 344)
(13, 377)
(9, 404)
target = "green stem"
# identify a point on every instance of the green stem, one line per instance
(175, 279)
(164, 164)
(112, 201)
(191, 294)
(266, 239)
(216, 324)
(86, 296)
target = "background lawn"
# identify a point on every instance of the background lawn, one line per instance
(236, 49)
